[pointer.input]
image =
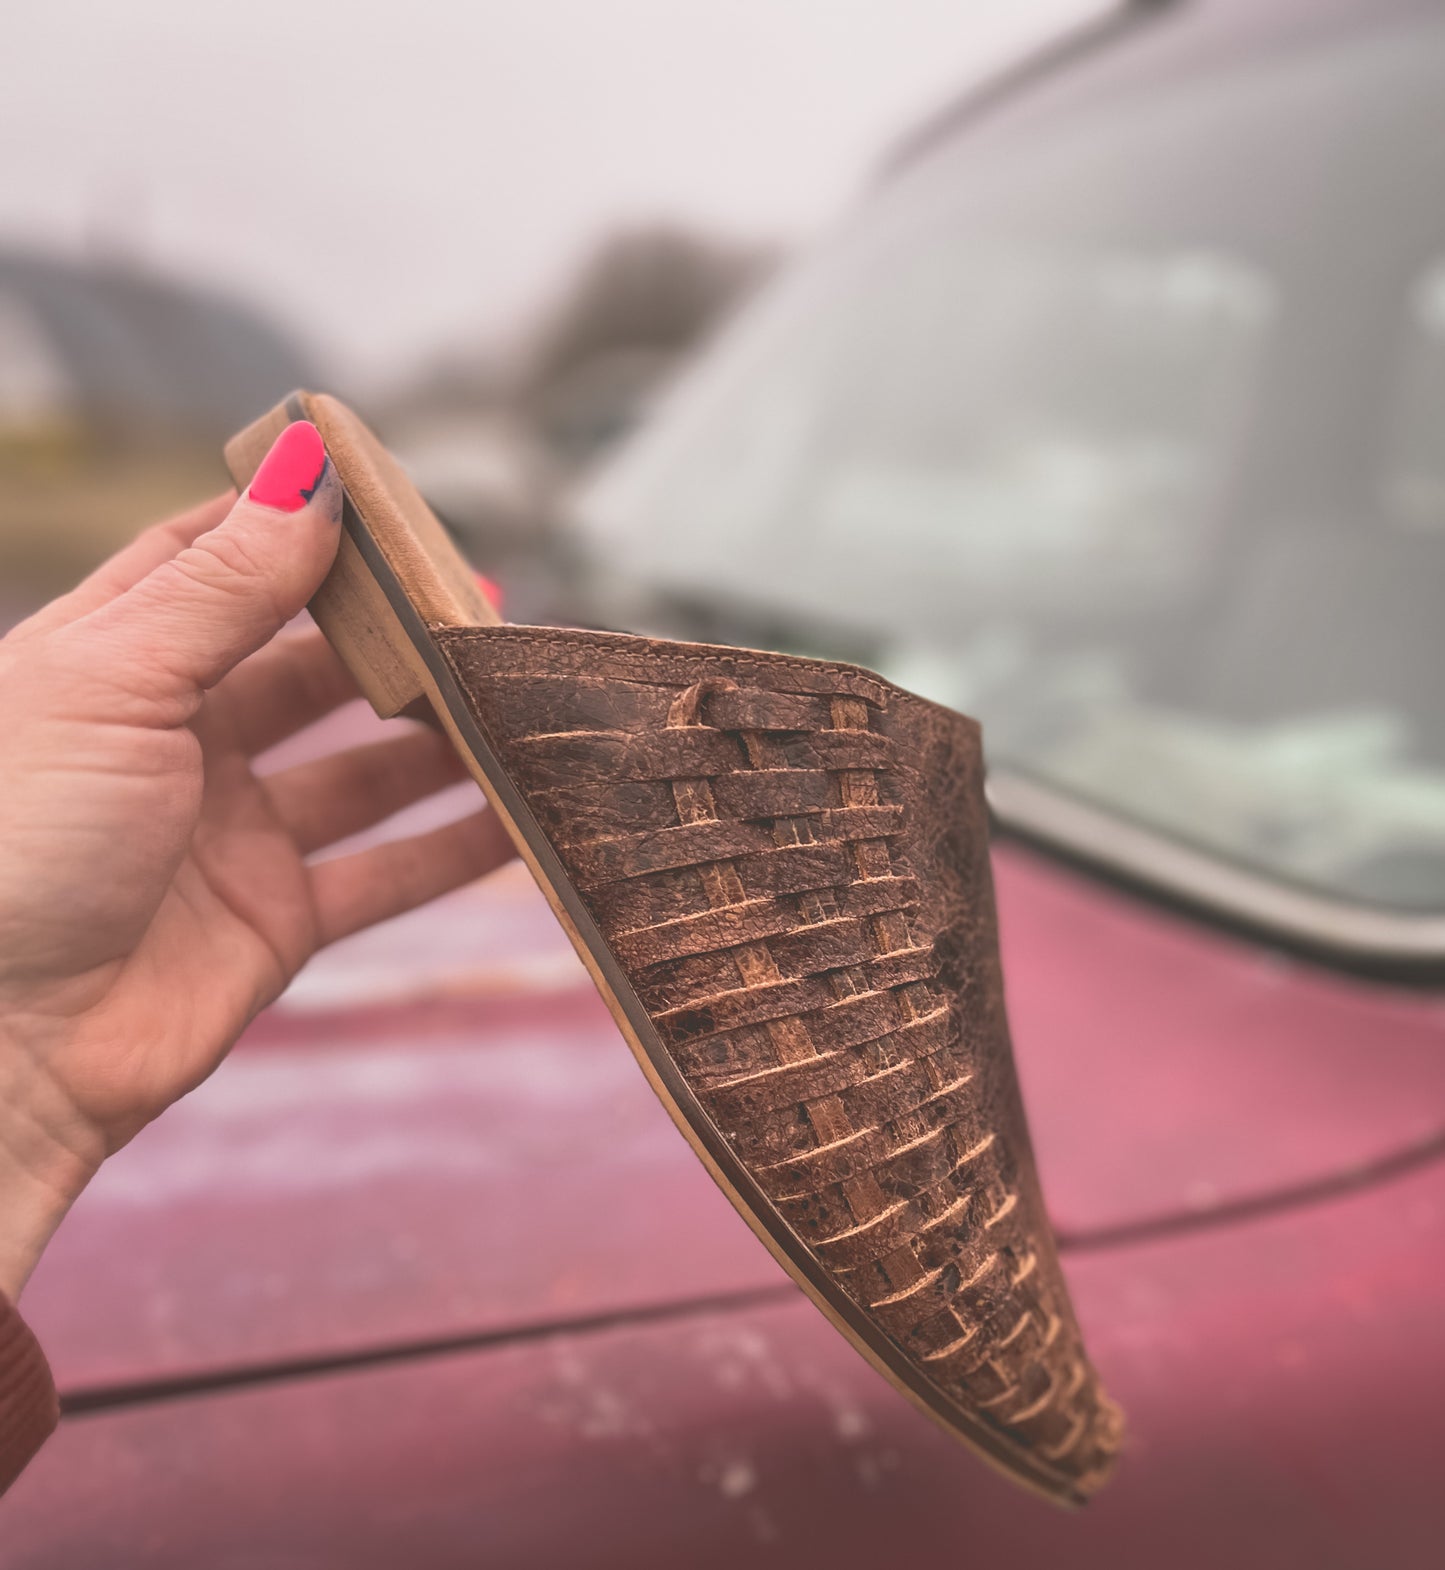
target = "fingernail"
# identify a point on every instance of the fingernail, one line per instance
(292, 471)
(491, 589)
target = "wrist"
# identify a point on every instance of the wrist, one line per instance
(30, 1211)
(41, 1170)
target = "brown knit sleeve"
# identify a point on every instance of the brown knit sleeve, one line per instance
(29, 1410)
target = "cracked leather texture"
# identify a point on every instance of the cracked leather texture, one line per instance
(789, 861)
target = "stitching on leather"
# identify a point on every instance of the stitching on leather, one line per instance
(742, 657)
(750, 660)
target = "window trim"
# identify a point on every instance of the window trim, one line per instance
(1371, 940)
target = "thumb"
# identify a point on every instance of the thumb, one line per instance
(192, 619)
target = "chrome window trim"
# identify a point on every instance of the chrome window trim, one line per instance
(1333, 929)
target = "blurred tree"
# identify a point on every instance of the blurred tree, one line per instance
(634, 308)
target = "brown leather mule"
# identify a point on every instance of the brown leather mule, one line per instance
(776, 870)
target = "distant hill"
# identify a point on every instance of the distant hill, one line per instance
(122, 351)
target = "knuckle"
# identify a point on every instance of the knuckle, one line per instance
(223, 564)
(218, 561)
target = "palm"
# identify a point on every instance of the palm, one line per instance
(233, 925)
(167, 891)
(155, 891)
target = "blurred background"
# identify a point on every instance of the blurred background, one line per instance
(493, 228)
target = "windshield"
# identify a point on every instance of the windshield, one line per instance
(1124, 432)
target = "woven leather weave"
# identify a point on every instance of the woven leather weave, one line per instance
(788, 860)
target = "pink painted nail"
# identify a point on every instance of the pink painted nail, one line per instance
(491, 589)
(292, 470)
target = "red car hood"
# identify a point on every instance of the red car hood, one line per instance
(439, 1134)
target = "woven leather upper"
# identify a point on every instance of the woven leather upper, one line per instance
(788, 860)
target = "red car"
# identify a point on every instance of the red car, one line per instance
(1116, 416)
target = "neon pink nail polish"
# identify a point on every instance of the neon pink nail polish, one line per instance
(491, 589)
(291, 471)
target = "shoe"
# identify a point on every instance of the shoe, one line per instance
(776, 871)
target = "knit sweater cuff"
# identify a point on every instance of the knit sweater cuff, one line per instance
(29, 1410)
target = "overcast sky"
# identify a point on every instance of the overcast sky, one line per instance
(390, 179)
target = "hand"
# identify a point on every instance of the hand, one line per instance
(155, 893)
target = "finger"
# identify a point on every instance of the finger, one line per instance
(195, 617)
(147, 551)
(295, 680)
(352, 892)
(337, 796)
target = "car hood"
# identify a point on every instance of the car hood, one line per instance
(438, 1136)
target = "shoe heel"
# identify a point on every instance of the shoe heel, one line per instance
(352, 610)
(352, 607)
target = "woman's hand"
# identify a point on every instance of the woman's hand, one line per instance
(154, 892)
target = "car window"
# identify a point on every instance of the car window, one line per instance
(1412, 488)
(1129, 438)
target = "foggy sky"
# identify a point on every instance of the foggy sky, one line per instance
(391, 179)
